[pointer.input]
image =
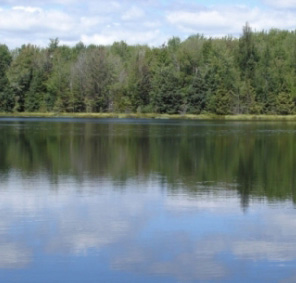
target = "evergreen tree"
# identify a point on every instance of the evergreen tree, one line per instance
(196, 94)
(247, 56)
(223, 101)
(20, 74)
(6, 94)
(166, 92)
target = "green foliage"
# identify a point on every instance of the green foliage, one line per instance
(20, 74)
(223, 102)
(255, 74)
(196, 94)
(285, 104)
(247, 53)
(166, 92)
(6, 93)
(247, 98)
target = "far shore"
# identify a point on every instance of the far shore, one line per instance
(240, 117)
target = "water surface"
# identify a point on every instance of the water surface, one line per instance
(147, 201)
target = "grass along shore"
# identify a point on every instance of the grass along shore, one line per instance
(245, 117)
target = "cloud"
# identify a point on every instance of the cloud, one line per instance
(28, 9)
(99, 39)
(133, 14)
(82, 223)
(138, 231)
(210, 201)
(193, 261)
(95, 235)
(265, 250)
(109, 36)
(229, 20)
(96, 23)
(35, 22)
(281, 4)
(14, 256)
(141, 22)
(89, 22)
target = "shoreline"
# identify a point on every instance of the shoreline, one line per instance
(239, 117)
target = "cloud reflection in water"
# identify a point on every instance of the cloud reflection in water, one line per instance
(142, 230)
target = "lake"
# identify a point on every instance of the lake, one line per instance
(106, 200)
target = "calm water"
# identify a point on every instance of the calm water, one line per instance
(147, 201)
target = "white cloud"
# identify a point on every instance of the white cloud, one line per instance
(134, 13)
(199, 263)
(132, 37)
(39, 199)
(281, 3)
(84, 222)
(91, 22)
(98, 39)
(27, 9)
(184, 267)
(230, 20)
(14, 256)
(78, 237)
(150, 22)
(265, 250)
(210, 201)
(35, 20)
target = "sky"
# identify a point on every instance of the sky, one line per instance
(150, 22)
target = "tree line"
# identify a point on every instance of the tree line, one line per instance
(252, 74)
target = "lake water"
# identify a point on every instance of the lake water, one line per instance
(147, 201)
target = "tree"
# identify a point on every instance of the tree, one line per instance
(248, 103)
(166, 92)
(20, 74)
(59, 96)
(223, 102)
(6, 94)
(196, 94)
(247, 56)
(92, 77)
(139, 80)
(285, 104)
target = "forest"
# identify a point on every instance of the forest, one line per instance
(252, 74)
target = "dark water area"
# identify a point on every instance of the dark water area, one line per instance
(106, 200)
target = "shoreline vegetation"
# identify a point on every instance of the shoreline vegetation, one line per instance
(240, 117)
(197, 78)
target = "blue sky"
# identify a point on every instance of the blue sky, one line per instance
(136, 22)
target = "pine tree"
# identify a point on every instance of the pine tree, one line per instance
(6, 94)
(166, 92)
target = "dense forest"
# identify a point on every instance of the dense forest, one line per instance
(252, 74)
